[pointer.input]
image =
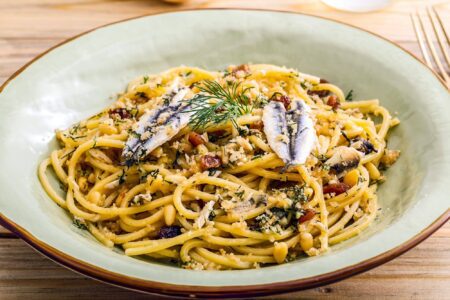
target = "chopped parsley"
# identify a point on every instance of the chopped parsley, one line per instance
(215, 137)
(322, 158)
(77, 137)
(240, 194)
(154, 173)
(68, 153)
(134, 111)
(79, 224)
(211, 216)
(63, 187)
(345, 136)
(296, 193)
(260, 101)
(243, 131)
(142, 175)
(257, 156)
(134, 134)
(122, 177)
(212, 172)
(349, 96)
(166, 101)
(95, 142)
(75, 128)
(273, 220)
(361, 179)
(175, 161)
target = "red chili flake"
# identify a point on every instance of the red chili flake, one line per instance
(123, 113)
(195, 139)
(209, 162)
(334, 102)
(336, 188)
(283, 99)
(259, 125)
(308, 214)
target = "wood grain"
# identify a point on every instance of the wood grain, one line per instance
(423, 272)
(28, 27)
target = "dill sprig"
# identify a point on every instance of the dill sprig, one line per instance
(216, 104)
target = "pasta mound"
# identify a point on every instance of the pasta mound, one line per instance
(216, 195)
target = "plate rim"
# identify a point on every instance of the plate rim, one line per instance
(154, 287)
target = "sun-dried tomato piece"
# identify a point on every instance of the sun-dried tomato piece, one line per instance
(259, 125)
(334, 102)
(336, 188)
(321, 94)
(123, 113)
(308, 214)
(209, 162)
(195, 139)
(283, 99)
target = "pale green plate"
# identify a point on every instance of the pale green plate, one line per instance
(79, 78)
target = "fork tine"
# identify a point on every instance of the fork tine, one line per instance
(433, 50)
(442, 24)
(440, 38)
(421, 41)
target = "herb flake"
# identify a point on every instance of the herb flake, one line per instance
(349, 96)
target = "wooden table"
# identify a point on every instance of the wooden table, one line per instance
(28, 27)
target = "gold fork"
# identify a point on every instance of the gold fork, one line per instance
(439, 31)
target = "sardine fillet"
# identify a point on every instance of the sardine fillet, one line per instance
(301, 130)
(276, 131)
(290, 134)
(156, 127)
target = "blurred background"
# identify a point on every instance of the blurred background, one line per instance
(28, 27)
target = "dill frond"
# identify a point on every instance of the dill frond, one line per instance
(216, 104)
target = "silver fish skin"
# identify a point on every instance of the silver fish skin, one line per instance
(156, 127)
(275, 128)
(344, 159)
(302, 134)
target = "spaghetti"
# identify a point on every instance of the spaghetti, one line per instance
(215, 194)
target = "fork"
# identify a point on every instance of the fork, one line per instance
(438, 31)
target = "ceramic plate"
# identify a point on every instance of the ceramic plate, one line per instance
(80, 77)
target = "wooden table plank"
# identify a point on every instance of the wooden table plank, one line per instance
(28, 27)
(32, 18)
(423, 271)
